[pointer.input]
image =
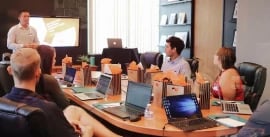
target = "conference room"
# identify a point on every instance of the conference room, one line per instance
(116, 39)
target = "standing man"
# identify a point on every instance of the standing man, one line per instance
(175, 62)
(22, 35)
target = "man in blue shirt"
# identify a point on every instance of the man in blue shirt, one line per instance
(25, 68)
(175, 62)
(258, 124)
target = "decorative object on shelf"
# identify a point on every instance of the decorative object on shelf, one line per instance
(235, 38)
(235, 11)
(181, 18)
(162, 41)
(183, 36)
(172, 19)
(164, 19)
(84, 59)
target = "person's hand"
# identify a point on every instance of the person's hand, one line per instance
(84, 131)
(31, 45)
(75, 125)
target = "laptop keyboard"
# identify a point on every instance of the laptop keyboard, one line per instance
(194, 124)
(131, 111)
(230, 107)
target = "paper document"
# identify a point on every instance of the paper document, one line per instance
(230, 122)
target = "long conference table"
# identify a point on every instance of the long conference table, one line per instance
(156, 126)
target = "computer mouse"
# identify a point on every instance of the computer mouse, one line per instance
(134, 118)
(69, 85)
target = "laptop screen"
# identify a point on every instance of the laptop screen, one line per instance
(70, 74)
(138, 94)
(114, 42)
(182, 106)
(103, 83)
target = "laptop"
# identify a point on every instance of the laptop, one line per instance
(99, 92)
(235, 107)
(137, 97)
(68, 79)
(183, 112)
(114, 42)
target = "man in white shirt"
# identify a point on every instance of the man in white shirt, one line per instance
(22, 35)
(175, 62)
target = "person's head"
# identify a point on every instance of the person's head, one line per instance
(25, 65)
(24, 17)
(174, 46)
(47, 55)
(225, 58)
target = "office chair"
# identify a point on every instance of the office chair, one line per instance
(149, 58)
(194, 66)
(6, 80)
(21, 120)
(254, 78)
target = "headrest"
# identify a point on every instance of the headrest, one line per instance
(9, 106)
(5, 58)
(249, 70)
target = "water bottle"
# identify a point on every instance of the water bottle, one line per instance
(148, 114)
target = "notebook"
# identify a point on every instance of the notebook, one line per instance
(114, 42)
(183, 112)
(68, 79)
(98, 92)
(137, 97)
(235, 107)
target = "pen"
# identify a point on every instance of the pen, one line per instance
(218, 117)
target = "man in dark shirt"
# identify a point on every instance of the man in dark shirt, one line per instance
(25, 68)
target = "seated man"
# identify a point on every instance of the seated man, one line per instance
(175, 62)
(258, 124)
(25, 68)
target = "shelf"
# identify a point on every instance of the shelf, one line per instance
(175, 2)
(171, 25)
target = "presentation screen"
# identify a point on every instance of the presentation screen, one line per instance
(57, 31)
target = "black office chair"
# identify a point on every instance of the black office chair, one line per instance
(254, 78)
(149, 58)
(6, 80)
(194, 66)
(21, 120)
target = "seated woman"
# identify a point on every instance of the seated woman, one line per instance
(48, 86)
(228, 84)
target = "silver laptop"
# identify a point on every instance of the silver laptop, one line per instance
(114, 42)
(137, 97)
(99, 92)
(235, 107)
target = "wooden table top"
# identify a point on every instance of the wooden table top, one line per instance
(155, 125)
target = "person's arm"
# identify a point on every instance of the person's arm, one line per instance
(185, 70)
(35, 41)
(51, 86)
(11, 44)
(74, 113)
(228, 82)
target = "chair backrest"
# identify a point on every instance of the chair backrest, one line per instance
(21, 120)
(194, 66)
(6, 80)
(149, 58)
(254, 78)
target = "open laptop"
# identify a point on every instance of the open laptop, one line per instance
(183, 112)
(137, 97)
(235, 107)
(68, 79)
(114, 42)
(99, 92)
